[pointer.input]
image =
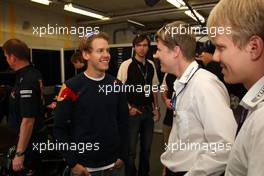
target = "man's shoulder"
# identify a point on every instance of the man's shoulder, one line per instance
(206, 77)
(70, 88)
(31, 77)
(151, 62)
(32, 73)
(75, 81)
(257, 114)
(204, 81)
(110, 79)
(126, 62)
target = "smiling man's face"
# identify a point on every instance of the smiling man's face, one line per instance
(233, 60)
(99, 56)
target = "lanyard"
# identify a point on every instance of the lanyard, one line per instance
(142, 72)
(242, 119)
(174, 97)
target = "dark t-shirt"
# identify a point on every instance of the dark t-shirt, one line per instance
(169, 113)
(25, 99)
(135, 76)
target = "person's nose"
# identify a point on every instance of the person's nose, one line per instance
(216, 56)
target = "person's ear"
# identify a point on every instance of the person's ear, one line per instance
(176, 51)
(255, 46)
(12, 57)
(85, 55)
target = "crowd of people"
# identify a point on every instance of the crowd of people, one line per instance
(105, 127)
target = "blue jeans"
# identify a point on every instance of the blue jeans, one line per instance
(109, 172)
(143, 125)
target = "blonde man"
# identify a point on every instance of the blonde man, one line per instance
(241, 55)
(203, 127)
(85, 115)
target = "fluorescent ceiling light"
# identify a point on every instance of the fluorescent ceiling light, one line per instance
(136, 23)
(45, 2)
(189, 13)
(84, 11)
(178, 3)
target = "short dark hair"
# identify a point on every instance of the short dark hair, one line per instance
(77, 56)
(18, 48)
(139, 38)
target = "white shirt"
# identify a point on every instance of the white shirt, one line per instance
(202, 122)
(247, 155)
(100, 168)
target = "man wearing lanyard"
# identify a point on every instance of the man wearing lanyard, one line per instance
(241, 55)
(203, 126)
(139, 72)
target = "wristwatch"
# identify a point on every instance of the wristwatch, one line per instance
(19, 154)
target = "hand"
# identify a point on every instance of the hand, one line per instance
(119, 163)
(52, 105)
(168, 104)
(79, 169)
(18, 163)
(134, 111)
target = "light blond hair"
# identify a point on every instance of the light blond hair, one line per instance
(183, 38)
(245, 17)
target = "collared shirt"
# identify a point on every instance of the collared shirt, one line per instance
(247, 155)
(100, 168)
(204, 126)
